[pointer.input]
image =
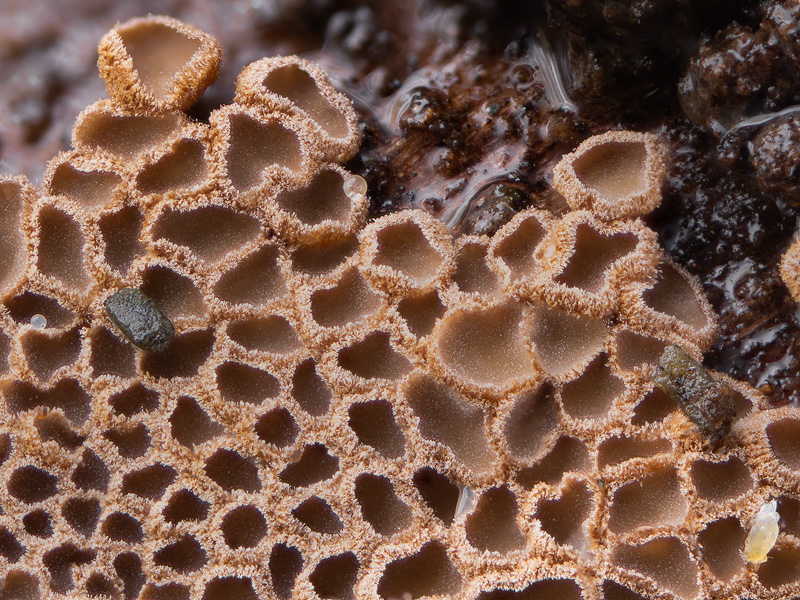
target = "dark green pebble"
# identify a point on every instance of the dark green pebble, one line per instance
(138, 318)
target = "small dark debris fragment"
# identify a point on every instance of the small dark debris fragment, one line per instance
(707, 402)
(138, 318)
(492, 208)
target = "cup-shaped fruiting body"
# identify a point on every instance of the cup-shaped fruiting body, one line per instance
(256, 152)
(255, 274)
(530, 427)
(300, 88)
(87, 181)
(341, 303)
(565, 343)
(367, 357)
(157, 64)
(331, 205)
(472, 275)
(790, 269)
(16, 201)
(112, 129)
(405, 252)
(586, 263)
(59, 236)
(513, 251)
(206, 231)
(670, 300)
(616, 175)
(486, 349)
(451, 424)
(177, 167)
(421, 311)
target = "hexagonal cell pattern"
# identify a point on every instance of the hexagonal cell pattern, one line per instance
(352, 410)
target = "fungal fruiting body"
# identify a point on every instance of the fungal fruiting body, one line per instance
(617, 174)
(763, 533)
(790, 269)
(341, 409)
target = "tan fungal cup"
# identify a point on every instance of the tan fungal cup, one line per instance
(157, 64)
(352, 410)
(790, 269)
(617, 174)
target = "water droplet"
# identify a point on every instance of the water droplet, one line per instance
(39, 321)
(355, 186)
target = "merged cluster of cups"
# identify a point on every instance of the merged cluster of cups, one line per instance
(346, 409)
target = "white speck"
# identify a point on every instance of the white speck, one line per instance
(466, 500)
(355, 186)
(39, 321)
(763, 533)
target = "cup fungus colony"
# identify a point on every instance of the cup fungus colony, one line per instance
(351, 410)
